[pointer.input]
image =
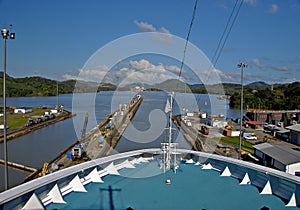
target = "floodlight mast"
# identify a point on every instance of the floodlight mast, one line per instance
(241, 65)
(5, 35)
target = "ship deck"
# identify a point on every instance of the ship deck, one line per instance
(135, 180)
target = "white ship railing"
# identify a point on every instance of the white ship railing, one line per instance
(269, 180)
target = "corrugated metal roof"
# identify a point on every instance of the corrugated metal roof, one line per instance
(294, 127)
(282, 154)
(283, 131)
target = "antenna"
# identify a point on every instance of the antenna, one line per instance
(169, 148)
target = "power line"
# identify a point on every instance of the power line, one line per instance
(223, 34)
(227, 35)
(223, 40)
(186, 44)
(188, 37)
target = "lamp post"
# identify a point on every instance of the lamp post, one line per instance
(57, 95)
(5, 35)
(242, 66)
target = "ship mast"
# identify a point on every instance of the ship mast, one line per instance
(170, 134)
(169, 148)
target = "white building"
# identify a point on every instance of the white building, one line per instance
(279, 157)
(23, 110)
(294, 133)
(2, 127)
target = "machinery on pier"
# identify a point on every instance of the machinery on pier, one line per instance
(78, 151)
(204, 130)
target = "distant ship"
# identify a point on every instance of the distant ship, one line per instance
(138, 89)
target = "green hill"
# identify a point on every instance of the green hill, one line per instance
(39, 86)
(256, 94)
(284, 96)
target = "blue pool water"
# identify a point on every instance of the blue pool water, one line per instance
(191, 188)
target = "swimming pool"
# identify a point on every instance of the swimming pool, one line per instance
(191, 188)
(135, 180)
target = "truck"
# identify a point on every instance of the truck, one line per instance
(204, 130)
(78, 152)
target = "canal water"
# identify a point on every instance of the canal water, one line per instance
(146, 130)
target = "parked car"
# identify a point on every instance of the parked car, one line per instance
(250, 136)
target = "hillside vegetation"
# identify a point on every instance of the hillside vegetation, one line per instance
(282, 97)
(39, 86)
(256, 95)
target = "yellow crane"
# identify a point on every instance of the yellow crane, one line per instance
(44, 169)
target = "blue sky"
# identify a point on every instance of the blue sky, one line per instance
(55, 38)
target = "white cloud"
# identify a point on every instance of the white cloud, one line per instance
(145, 65)
(289, 80)
(95, 75)
(273, 9)
(257, 63)
(166, 36)
(164, 30)
(222, 74)
(281, 68)
(142, 65)
(216, 76)
(69, 77)
(134, 71)
(174, 69)
(144, 71)
(144, 26)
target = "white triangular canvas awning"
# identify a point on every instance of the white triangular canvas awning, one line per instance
(94, 176)
(33, 203)
(111, 169)
(135, 161)
(149, 158)
(246, 179)
(127, 164)
(189, 161)
(267, 189)
(292, 201)
(197, 164)
(55, 195)
(142, 160)
(226, 172)
(76, 185)
(207, 166)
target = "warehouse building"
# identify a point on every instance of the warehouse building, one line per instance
(279, 157)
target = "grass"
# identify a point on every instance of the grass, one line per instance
(19, 120)
(235, 141)
(15, 121)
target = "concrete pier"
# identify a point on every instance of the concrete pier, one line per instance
(192, 136)
(199, 141)
(14, 133)
(110, 129)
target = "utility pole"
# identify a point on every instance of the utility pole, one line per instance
(242, 66)
(5, 35)
(57, 94)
